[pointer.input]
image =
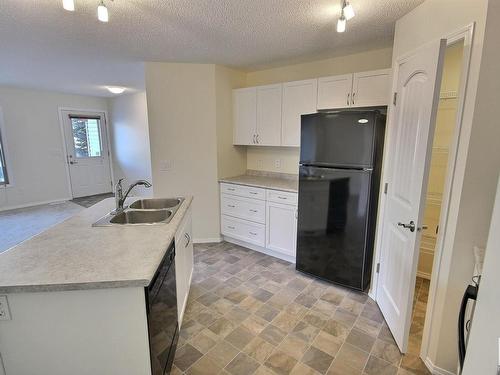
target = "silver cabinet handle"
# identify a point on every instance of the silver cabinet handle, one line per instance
(253, 210)
(188, 239)
(353, 95)
(348, 97)
(253, 193)
(257, 138)
(231, 189)
(284, 198)
(230, 227)
(253, 233)
(231, 205)
(410, 226)
(254, 138)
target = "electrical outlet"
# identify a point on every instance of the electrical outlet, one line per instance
(166, 165)
(277, 164)
(4, 308)
(260, 164)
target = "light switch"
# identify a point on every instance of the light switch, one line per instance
(166, 165)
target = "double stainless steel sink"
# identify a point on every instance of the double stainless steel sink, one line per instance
(143, 212)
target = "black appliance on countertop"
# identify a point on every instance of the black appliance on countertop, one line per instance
(339, 179)
(161, 307)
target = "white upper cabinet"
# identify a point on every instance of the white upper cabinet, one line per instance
(334, 91)
(268, 131)
(245, 115)
(371, 88)
(299, 98)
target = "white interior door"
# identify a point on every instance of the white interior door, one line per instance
(418, 79)
(87, 153)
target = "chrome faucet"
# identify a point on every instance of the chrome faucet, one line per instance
(120, 197)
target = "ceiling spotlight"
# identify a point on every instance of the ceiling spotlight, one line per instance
(102, 12)
(348, 10)
(116, 90)
(341, 24)
(69, 5)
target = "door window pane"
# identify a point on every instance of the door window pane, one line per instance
(86, 137)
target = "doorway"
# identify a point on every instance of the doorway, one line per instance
(444, 135)
(87, 152)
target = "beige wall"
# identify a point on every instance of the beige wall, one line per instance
(443, 137)
(231, 160)
(264, 158)
(34, 144)
(129, 135)
(190, 129)
(473, 185)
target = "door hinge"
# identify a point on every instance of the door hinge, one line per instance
(386, 186)
(378, 267)
(395, 98)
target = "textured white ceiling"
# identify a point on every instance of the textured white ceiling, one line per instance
(44, 46)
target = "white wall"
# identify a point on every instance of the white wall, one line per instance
(129, 135)
(473, 185)
(34, 143)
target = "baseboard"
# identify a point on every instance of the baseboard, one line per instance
(436, 370)
(260, 249)
(207, 240)
(34, 204)
(371, 295)
(424, 275)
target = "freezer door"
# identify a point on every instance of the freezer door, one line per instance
(339, 139)
(332, 224)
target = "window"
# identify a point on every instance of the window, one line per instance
(86, 136)
(4, 177)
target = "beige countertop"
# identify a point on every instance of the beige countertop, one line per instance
(74, 255)
(267, 182)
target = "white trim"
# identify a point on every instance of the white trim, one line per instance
(207, 240)
(34, 204)
(466, 34)
(60, 111)
(8, 164)
(260, 249)
(436, 370)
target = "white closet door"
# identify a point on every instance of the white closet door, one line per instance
(299, 98)
(371, 88)
(334, 91)
(269, 115)
(245, 116)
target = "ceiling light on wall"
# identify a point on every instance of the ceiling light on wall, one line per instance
(348, 11)
(116, 90)
(341, 24)
(69, 5)
(102, 12)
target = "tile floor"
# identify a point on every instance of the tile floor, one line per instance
(249, 313)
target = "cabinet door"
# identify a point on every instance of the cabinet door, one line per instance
(299, 98)
(334, 92)
(281, 230)
(244, 115)
(269, 115)
(371, 88)
(189, 250)
(183, 263)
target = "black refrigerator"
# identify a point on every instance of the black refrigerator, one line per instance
(339, 181)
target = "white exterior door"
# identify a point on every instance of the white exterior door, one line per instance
(245, 116)
(87, 152)
(281, 231)
(269, 115)
(418, 80)
(334, 92)
(371, 88)
(299, 98)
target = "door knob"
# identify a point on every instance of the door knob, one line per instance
(410, 226)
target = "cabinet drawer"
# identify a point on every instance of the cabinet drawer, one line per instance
(284, 197)
(243, 230)
(243, 191)
(243, 208)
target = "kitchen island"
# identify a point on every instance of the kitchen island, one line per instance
(77, 296)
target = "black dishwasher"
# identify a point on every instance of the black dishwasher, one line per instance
(161, 307)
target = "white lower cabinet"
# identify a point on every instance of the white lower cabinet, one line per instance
(267, 222)
(183, 263)
(281, 228)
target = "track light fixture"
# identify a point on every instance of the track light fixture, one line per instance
(102, 9)
(346, 13)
